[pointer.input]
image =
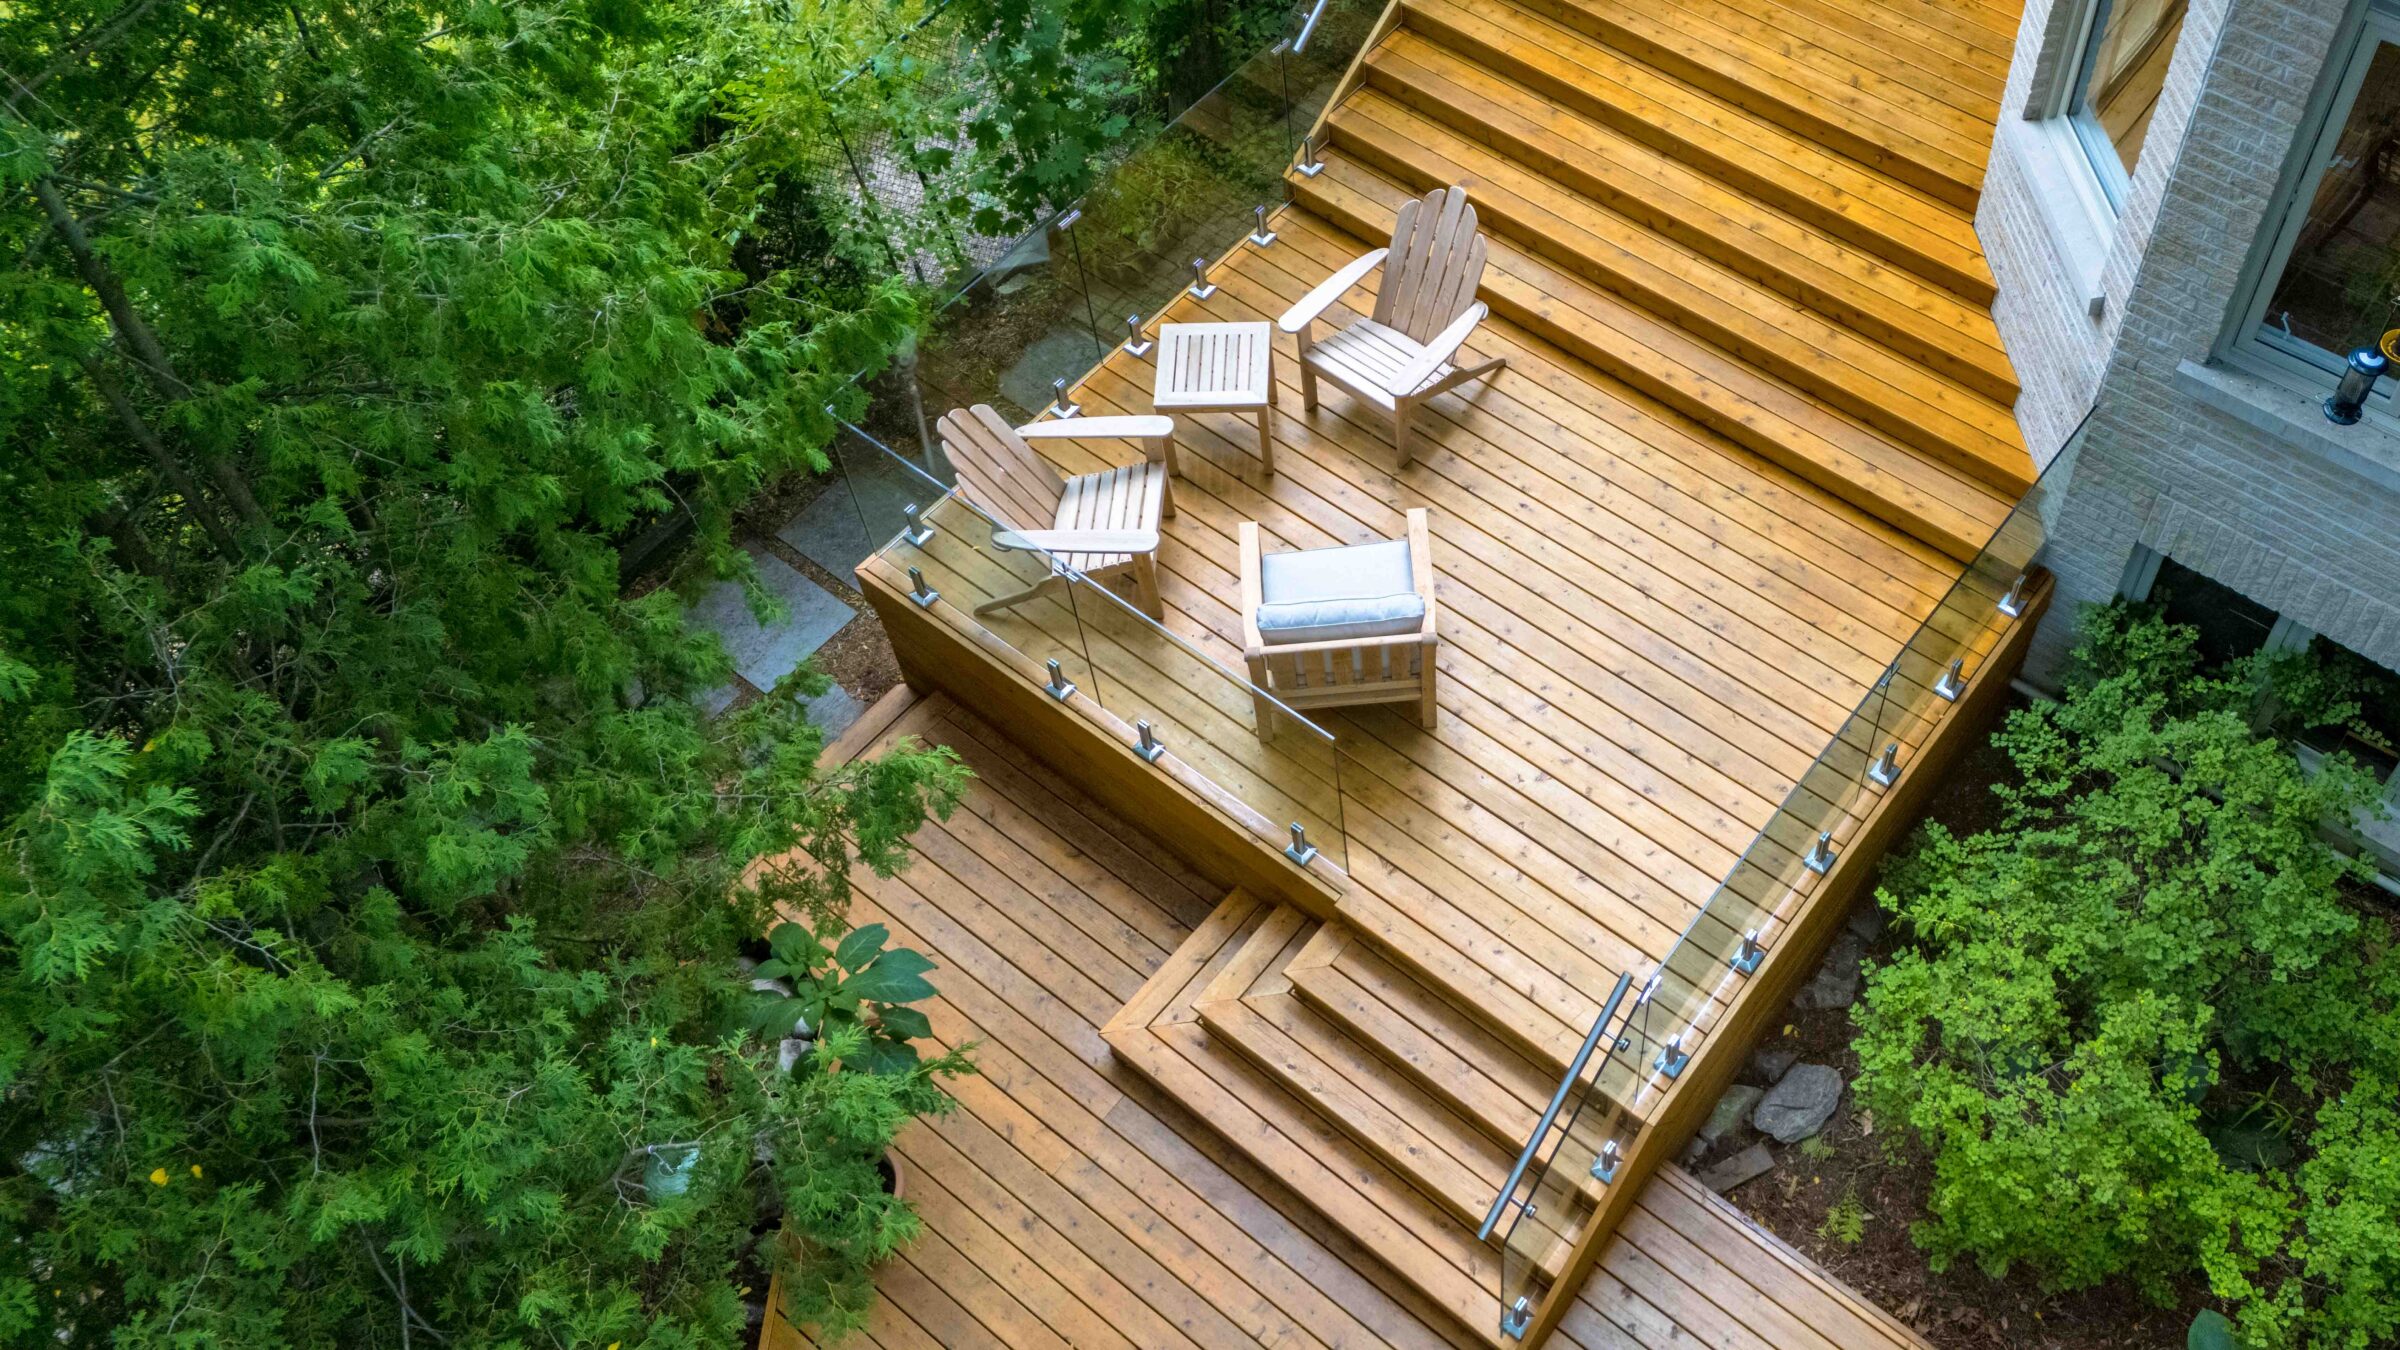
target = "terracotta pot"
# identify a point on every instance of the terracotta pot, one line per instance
(894, 1174)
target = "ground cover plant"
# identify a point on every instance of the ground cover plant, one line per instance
(2147, 1025)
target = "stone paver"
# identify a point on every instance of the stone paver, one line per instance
(829, 533)
(765, 653)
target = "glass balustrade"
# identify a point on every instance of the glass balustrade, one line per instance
(1273, 770)
(1681, 998)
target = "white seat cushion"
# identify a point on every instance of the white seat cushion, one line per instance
(1339, 594)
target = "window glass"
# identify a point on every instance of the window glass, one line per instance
(2231, 624)
(2132, 41)
(2340, 288)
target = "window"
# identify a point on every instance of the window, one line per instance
(2372, 736)
(2231, 625)
(2124, 66)
(2332, 277)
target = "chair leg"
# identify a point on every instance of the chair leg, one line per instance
(1262, 711)
(1166, 499)
(1424, 706)
(1266, 442)
(1012, 600)
(1308, 387)
(1400, 428)
(1145, 584)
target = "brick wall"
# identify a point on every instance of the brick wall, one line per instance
(2271, 518)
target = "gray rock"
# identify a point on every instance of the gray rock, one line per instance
(1731, 1111)
(1767, 1065)
(1754, 1161)
(1799, 1105)
(1694, 1151)
(1835, 984)
(1867, 921)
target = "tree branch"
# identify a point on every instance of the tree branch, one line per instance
(147, 351)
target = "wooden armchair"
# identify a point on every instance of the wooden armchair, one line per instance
(1424, 311)
(1104, 525)
(1335, 627)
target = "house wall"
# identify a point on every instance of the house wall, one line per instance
(2236, 475)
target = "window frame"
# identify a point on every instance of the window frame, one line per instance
(2068, 113)
(2252, 342)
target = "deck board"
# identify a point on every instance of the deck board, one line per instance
(1067, 1202)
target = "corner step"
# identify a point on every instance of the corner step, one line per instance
(1162, 1036)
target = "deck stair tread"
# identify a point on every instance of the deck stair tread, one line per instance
(1762, 414)
(1926, 318)
(1886, 395)
(1790, 81)
(1411, 1232)
(1830, 192)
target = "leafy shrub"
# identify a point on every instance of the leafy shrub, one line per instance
(2102, 989)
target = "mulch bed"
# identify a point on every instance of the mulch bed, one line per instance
(1854, 1158)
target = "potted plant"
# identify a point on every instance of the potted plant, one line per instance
(856, 1077)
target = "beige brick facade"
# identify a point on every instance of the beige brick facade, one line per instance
(2226, 473)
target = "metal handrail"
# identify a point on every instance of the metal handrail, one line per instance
(1541, 1130)
(1300, 43)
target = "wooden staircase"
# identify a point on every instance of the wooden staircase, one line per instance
(1738, 213)
(1378, 1101)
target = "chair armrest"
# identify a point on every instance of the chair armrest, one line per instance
(1332, 288)
(1077, 541)
(1253, 588)
(1420, 564)
(1444, 345)
(1130, 427)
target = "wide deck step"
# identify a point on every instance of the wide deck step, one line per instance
(1818, 351)
(1793, 81)
(1763, 414)
(1938, 321)
(1843, 199)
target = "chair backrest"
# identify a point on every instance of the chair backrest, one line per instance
(1435, 264)
(998, 471)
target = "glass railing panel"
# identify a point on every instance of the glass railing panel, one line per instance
(1020, 596)
(1327, 39)
(1010, 336)
(1277, 763)
(1192, 192)
(888, 491)
(1575, 1169)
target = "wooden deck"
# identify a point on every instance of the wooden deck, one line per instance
(1753, 426)
(1068, 1201)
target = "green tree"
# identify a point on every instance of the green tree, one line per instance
(370, 890)
(2104, 995)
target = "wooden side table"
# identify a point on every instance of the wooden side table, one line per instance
(1219, 367)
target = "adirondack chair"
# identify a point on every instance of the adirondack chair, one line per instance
(1334, 627)
(1104, 525)
(1425, 309)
